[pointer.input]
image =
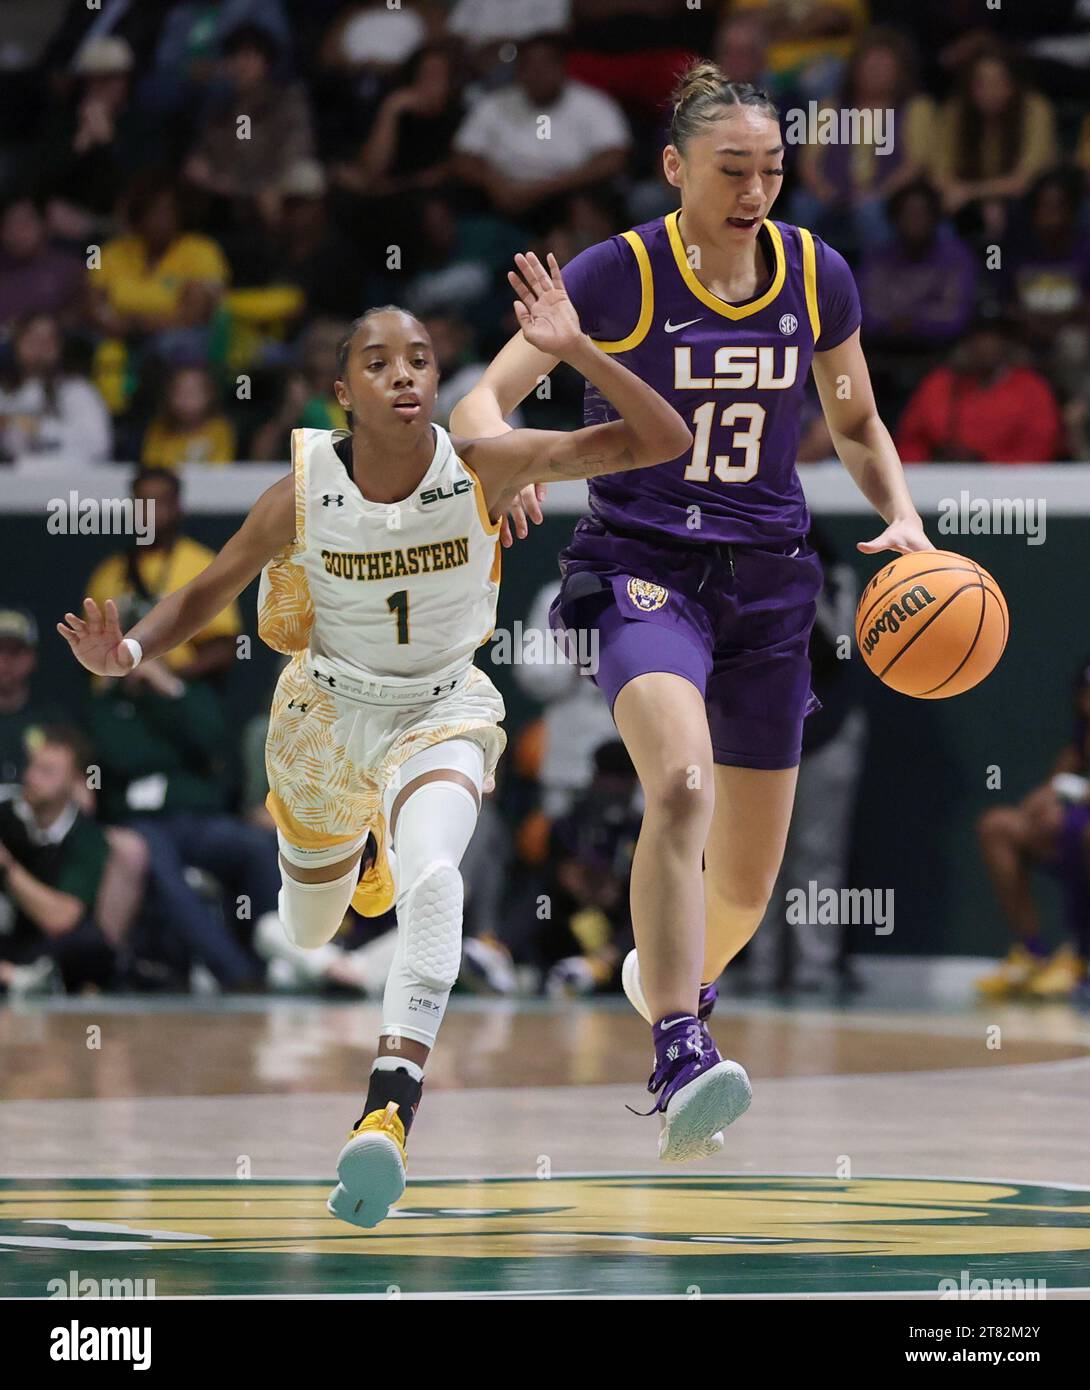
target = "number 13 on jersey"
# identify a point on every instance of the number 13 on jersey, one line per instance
(749, 417)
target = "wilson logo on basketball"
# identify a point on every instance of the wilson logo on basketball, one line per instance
(907, 606)
(932, 624)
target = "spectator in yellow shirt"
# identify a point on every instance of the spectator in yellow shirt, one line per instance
(992, 141)
(156, 278)
(189, 426)
(137, 578)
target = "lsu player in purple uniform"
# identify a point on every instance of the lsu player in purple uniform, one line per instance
(697, 575)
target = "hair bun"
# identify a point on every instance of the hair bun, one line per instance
(701, 78)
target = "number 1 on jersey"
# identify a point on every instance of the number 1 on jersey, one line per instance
(399, 604)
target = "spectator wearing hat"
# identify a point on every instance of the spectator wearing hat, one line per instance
(305, 248)
(22, 713)
(526, 178)
(983, 406)
(52, 860)
(93, 144)
(135, 21)
(36, 275)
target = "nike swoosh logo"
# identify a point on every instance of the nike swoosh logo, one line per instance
(675, 327)
(668, 1023)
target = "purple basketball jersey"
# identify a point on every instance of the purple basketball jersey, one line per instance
(736, 373)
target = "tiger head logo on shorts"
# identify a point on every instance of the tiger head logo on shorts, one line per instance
(646, 596)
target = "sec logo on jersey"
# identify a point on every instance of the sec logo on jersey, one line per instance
(647, 597)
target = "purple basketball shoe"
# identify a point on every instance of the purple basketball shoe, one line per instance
(699, 1093)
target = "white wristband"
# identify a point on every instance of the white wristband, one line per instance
(136, 651)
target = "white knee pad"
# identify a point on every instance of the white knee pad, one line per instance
(429, 914)
(312, 912)
(464, 755)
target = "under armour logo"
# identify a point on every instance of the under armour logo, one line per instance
(328, 497)
(301, 707)
(319, 677)
(438, 689)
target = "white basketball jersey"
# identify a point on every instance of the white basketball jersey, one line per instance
(398, 589)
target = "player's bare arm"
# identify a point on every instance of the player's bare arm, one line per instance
(509, 378)
(96, 638)
(649, 432)
(864, 446)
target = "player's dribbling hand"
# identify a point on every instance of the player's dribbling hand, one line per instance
(95, 639)
(526, 504)
(902, 536)
(545, 314)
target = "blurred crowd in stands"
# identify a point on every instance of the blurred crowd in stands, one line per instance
(196, 196)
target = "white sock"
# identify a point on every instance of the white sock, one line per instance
(389, 1062)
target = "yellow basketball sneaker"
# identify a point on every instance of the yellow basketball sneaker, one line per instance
(374, 894)
(1011, 975)
(1058, 977)
(371, 1169)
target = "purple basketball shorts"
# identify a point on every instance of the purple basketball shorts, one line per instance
(733, 620)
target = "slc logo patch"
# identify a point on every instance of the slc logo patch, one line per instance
(647, 597)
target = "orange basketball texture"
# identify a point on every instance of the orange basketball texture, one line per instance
(932, 624)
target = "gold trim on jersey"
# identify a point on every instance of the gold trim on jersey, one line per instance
(285, 617)
(809, 276)
(647, 300)
(298, 468)
(491, 527)
(729, 311)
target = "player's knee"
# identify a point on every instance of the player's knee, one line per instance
(683, 796)
(302, 931)
(742, 901)
(429, 912)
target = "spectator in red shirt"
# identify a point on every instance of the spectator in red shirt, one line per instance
(984, 406)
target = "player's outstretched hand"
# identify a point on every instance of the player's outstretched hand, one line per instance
(546, 315)
(95, 639)
(526, 504)
(902, 536)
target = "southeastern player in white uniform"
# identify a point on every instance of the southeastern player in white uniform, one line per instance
(379, 563)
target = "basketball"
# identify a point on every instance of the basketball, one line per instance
(932, 624)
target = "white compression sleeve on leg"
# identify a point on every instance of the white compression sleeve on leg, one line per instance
(312, 912)
(434, 826)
